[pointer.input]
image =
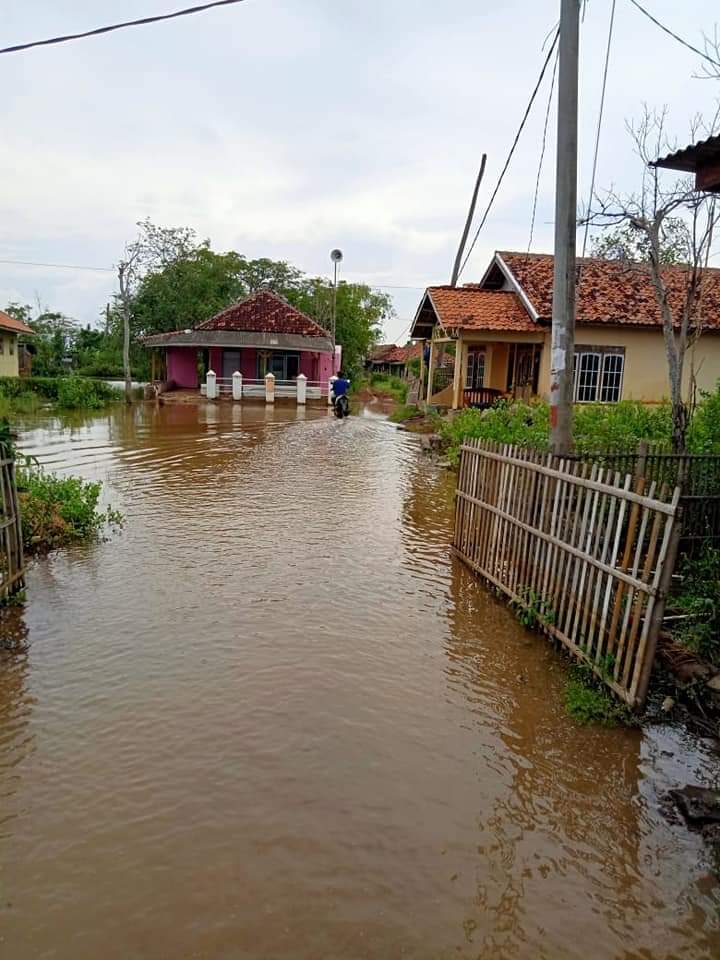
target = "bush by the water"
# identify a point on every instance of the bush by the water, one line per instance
(67, 392)
(387, 385)
(59, 510)
(699, 601)
(597, 427)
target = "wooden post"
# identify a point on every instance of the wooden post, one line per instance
(153, 365)
(459, 378)
(431, 372)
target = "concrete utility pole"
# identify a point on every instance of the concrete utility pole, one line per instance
(563, 307)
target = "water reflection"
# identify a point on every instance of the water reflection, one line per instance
(274, 718)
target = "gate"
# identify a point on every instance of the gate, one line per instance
(12, 565)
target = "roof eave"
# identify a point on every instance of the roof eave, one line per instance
(515, 283)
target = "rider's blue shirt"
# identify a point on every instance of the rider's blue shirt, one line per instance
(341, 387)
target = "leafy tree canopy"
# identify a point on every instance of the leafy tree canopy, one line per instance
(625, 242)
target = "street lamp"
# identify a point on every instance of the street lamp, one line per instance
(336, 256)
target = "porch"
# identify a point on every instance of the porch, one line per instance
(486, 370)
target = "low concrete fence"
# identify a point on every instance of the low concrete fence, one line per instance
(268, 388)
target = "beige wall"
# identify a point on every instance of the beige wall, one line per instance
(645, 374)
(8, 360)
(645, 377)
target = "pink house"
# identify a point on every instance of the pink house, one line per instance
(260, 335)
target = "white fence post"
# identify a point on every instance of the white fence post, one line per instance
(237, 385)
(301, 388)
(331, 381)
(211, 385)
(269, 388)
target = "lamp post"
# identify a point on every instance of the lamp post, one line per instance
(336, 256)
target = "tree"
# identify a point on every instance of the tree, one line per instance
(666, 221)
(625, 243)
(361, 312)
(154, 247)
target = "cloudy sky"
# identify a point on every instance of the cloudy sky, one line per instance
(284, 128)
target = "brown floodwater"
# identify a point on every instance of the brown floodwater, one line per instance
(274, 718)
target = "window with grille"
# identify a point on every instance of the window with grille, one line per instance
(598, 374)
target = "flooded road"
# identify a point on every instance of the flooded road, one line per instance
(273, 718)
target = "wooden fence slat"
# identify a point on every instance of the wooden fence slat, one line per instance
(585, 548)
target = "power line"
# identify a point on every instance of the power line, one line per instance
(674, 35)
(58, 266)
(76, 266)
(542, 154)
(512, 150)
(118, 26)
(599, 125)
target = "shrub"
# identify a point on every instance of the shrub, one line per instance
(59, 510)
(704, 435)
(74, 392)
(699, 599)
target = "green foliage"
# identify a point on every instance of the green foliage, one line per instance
(75, 393)
(597, 426)
(405, 412)
(620, 426)
(590, 704)
(527, 425)
(704, 433)
(21, 394)
(699, 600)
(533, 610)
(389, 386)
(59, 510)
(630, 244)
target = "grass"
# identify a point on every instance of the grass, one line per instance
(383, 385)
(405, 412)
(589, 703)
(57, 511)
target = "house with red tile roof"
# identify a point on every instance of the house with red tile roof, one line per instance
(392, 359)
(259, 335)
(501, 328)
(10, 330)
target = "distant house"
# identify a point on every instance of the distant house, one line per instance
(10, 330)
(501, 329)
(260, 335)
(391, 359)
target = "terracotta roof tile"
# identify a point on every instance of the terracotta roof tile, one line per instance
(10, 323)
(470, 308)
(264, 312)
(612, 291)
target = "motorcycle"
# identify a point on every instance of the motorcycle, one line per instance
(341, 406)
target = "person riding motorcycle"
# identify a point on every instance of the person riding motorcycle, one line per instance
(340, 387)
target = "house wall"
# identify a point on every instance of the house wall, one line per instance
(645, 377)
(8, 361)
(182, 366)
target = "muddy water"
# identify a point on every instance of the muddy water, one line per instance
(274, 719)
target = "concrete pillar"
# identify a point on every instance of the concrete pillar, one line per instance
(269, 388)
(331, 381)
(211, 385)
(237, 385)
(301, 388)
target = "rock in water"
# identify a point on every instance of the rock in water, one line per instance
(698, 805)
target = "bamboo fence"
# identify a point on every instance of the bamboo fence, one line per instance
(12, 564)
(586, 552)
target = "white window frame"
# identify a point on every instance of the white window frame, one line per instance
(603, 374)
